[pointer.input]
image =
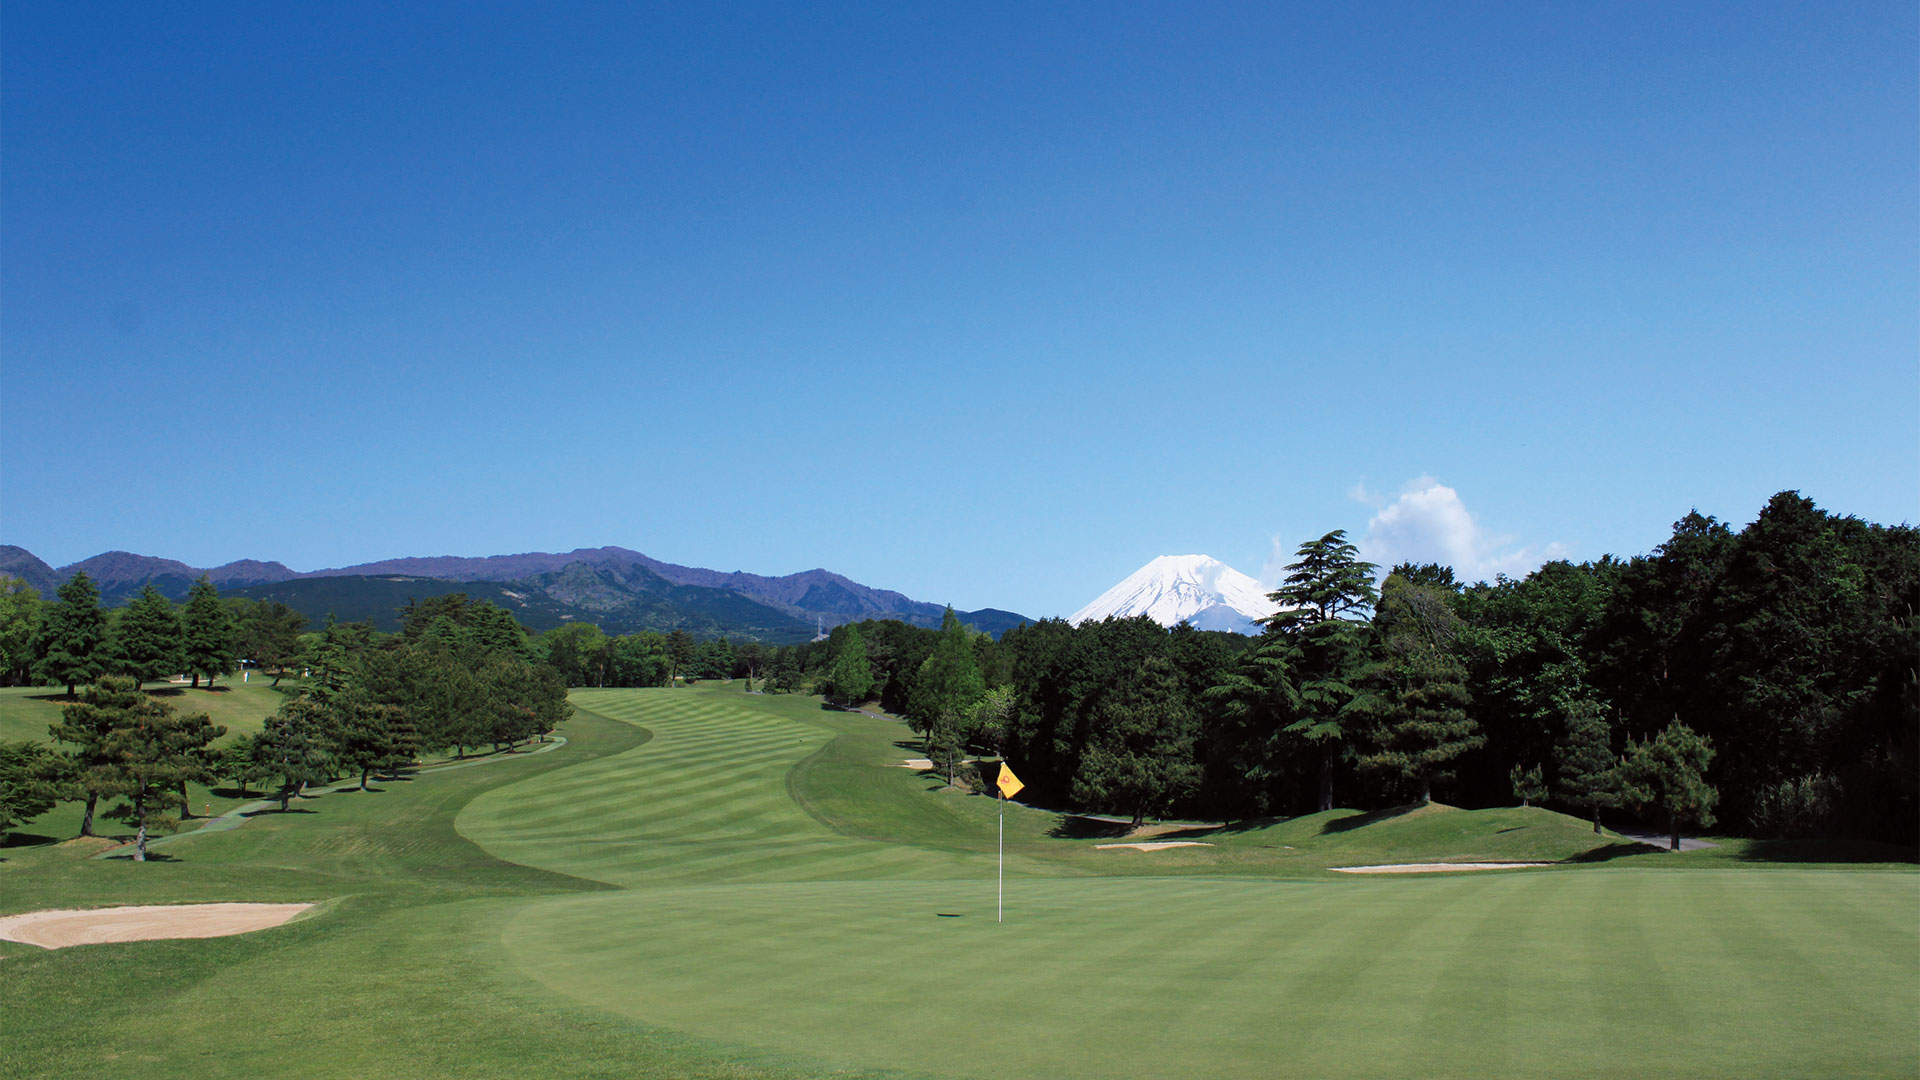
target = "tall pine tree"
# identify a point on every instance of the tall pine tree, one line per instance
(152, 644)
(210, 636)
(73, 635)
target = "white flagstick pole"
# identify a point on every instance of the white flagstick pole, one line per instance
(1000, 908)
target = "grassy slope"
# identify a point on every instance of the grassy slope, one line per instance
(700, 882)
(25, 711)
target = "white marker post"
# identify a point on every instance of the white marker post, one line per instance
(1009, 786)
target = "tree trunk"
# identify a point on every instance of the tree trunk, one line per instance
(140, 831)
(86, 820)
(1426, 791)
(1326, 779)
(1139, 816)
(196, 680)
(1673, 827)
(364, 770)
(186, 806)
(72, 691)
(1596, 821)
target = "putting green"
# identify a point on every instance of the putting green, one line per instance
(746, 920)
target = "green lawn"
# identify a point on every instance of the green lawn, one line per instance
(704, 883)
(25, 711)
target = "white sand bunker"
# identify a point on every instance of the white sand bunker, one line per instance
(920, 763)
(58, 929)
(1156, 845)
(1432, 867)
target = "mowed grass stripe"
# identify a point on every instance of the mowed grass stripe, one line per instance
(1221, 977)
(705, 798)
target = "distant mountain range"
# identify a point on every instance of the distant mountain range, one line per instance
(1194, 589)
(619, 590)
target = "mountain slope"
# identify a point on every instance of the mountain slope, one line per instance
(617, 588)
(1195, 589)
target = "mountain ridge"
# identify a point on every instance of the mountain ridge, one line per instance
(623, 587)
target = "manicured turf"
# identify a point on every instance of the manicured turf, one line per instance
(25, 711)
(704, 883)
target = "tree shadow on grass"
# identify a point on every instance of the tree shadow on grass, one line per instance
(1824, 851)
(152, 855)
(1371, 817)
(1075, 827)
(27, 839)
(1619, 849)
(275, 811)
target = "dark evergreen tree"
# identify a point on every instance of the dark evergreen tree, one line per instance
(151, 643)
(293, 746)
(1528, 784)
(31, 780)
(86, 726)
(209, 630)
(1419, 698)
(1667, 773)
(73, 646)
(1322, 647)
(1139, 756)
(1589, 770)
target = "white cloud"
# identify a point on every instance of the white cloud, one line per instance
(1429, 523)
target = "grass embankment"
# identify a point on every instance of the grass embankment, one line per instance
(757, 891)
(25, 711)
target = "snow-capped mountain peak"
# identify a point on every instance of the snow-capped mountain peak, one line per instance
(1196, 589)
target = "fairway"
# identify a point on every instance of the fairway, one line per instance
(705, 883)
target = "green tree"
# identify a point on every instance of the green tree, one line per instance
(73, 645)
(154, 752)
(851, 680)
(31, 777)
(679, 654)
(238, 761)
(1421, 698)
(1528, 784)
(1667, 773)
(19, 630)
(949, 679)
(1139, 754)
(209, 631)
(86, 726)
(151, 641)
(1320, 647)
(269, 635)
(293, 746)
(1589, 771)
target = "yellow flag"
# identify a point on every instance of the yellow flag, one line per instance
(1008, 783)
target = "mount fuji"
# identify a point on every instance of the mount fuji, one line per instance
(1195, 589)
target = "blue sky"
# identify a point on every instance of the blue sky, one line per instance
(987, 304)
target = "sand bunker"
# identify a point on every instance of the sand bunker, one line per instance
(1157, 845)
(920, 763)
(58, 929)
(1432, 867)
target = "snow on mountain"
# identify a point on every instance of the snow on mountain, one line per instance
(1195, 589)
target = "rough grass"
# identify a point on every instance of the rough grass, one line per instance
(706, 883)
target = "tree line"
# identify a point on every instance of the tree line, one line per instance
(460, 675)
(1765, 679)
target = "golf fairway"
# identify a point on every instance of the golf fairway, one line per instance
(744, 920)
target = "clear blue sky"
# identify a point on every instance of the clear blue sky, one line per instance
(987, 304)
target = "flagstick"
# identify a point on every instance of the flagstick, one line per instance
(1000, 908)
